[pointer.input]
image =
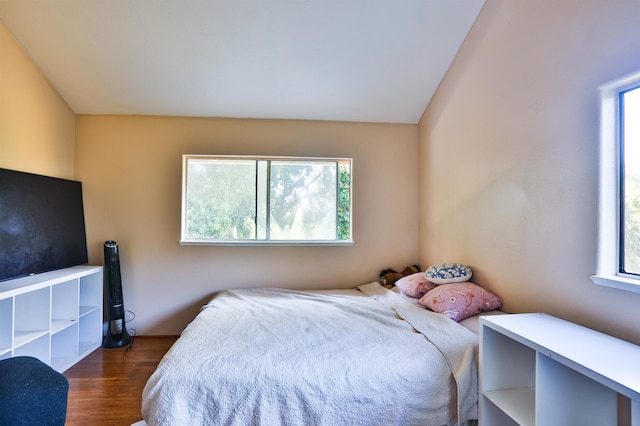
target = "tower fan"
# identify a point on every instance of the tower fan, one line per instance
(117, 335)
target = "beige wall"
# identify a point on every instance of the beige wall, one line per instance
(508, 156)
(130, 167)
(36, 125)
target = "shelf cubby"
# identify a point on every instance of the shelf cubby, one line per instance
(510, 380)
(32, 316)
(90, 331)
(37, 346)
(569, 397)
(64, 305)
(65, 347)
(6, 327)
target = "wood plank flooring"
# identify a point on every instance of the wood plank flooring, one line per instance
(105, 388)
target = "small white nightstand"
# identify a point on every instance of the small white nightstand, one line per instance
(536, 369)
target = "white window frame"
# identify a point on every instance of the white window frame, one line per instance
(607, 272)
(184, 240)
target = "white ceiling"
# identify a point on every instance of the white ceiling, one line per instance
(346, 60)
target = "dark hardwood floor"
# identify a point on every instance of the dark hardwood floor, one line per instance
(105, 388)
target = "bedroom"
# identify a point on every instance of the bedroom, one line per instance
(517, 110)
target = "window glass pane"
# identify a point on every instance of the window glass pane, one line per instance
(261, 198)
(303, 200)
(631, 184)
(221, 199)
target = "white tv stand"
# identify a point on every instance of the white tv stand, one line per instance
(54, 316)
(536, 369)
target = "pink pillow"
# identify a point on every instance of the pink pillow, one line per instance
(415, 285)
(460, 300)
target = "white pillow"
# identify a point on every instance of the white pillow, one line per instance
(445, 273)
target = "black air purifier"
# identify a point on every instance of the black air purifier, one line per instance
(117, 335)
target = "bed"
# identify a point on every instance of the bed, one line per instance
(363, 356)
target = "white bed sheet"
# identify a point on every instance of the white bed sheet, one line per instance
(274, 356)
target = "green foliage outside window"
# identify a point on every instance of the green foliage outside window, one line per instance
(344, 202)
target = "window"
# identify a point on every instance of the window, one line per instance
(230, 200)
(619, 205)
(630, 188)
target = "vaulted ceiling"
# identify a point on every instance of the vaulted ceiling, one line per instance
(346, 60)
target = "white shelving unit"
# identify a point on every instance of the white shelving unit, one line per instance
(536, 369)
(54, 316)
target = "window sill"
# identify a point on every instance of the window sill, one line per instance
(614, 281)
(265, 243)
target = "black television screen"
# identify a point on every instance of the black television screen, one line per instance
(41, 224)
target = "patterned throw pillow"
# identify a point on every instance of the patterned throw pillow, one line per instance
(415, 285)
(445, 273)
(460, 300)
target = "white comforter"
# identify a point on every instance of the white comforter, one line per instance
(340, 357)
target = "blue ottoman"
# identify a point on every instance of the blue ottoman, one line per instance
(31, 393)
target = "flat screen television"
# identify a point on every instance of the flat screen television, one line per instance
(42, 224)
